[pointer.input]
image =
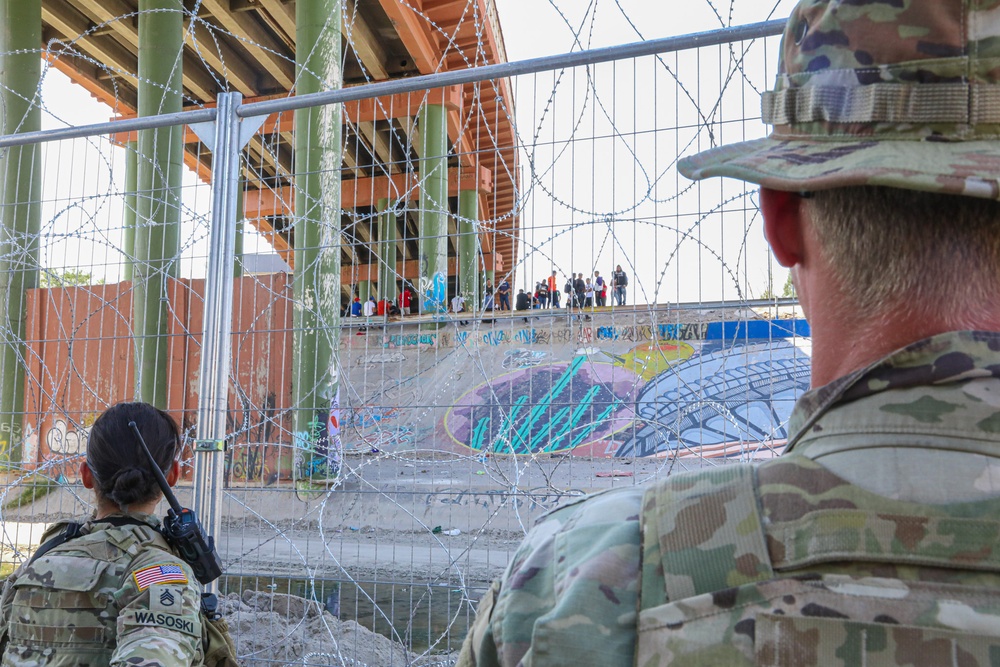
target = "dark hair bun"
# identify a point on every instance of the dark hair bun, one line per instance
(114, 456)
(129, 486)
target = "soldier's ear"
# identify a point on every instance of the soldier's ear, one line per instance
(174, 473)
(783, 225)
(86, 476)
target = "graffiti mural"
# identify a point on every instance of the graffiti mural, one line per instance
(742, 394)
(550, 408)
(603, 388)
(67, 440)
(521, 358)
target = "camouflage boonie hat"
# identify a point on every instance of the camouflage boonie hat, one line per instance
(899, 93)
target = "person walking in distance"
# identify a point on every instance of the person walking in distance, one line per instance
(619, 281)
(872, 539)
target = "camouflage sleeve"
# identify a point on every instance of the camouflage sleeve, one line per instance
(569, 594)
(159, 623)
(6, 604)
(479, 650)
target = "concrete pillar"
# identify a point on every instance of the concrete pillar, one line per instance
(468, 248)
(433, 242)
(128, 224)
(387, 229)
(316, 283)
(20, 212)
(158, 202)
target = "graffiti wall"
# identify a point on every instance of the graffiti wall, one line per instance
(614, 384)
(590, 388)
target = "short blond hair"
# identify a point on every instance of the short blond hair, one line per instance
(894, 248)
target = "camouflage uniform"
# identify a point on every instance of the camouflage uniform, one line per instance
(694, 569)
(113, 596)
(895, 93)
(830, 554)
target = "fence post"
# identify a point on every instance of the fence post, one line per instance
(227, 139)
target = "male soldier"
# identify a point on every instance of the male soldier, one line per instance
(874, 539)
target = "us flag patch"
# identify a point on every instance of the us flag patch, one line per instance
(159, 574)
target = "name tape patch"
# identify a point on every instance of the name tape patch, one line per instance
(168, 621)
(159, 574)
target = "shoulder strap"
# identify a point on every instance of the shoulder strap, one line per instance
(71, 531)
(701, 532)
(74, 530)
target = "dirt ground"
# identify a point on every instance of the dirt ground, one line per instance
(274, 630)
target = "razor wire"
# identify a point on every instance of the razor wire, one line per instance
(453, 437)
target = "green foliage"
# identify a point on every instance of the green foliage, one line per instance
(67, 278)
(788, 291)
(32, 489)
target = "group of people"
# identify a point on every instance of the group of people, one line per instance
(579, 292)
(381, 307)
(586, 292)
(496, 298)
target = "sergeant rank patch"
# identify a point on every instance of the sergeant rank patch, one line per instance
(166, 599)
(159, 574)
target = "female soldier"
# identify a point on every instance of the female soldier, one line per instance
(114, 592)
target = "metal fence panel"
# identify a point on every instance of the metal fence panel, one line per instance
(391, 495)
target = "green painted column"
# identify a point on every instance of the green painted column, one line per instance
(158, 202)
(238, 248)
(128, 224)
(387, 232)
(316, 282)
(364, 290)
(468, 248)
(20, 211)
(434, 214)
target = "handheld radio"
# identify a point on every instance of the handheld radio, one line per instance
(182, 529)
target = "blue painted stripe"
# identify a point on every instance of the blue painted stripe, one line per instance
(757, 330)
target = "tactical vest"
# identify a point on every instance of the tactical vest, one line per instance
(786, 565)
(73, 610)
